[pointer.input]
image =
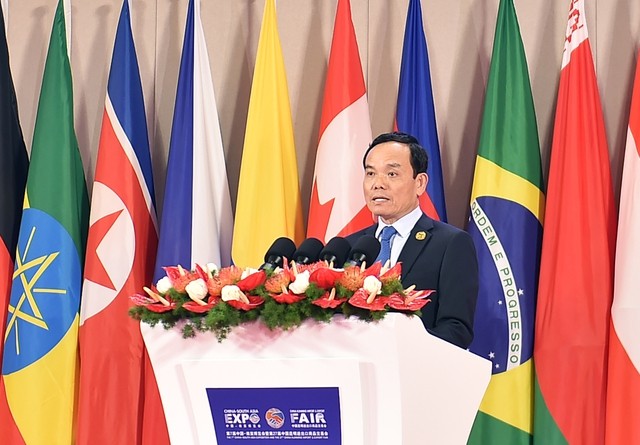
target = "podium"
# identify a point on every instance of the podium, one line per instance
(345, 382)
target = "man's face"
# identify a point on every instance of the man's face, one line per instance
(390, 189)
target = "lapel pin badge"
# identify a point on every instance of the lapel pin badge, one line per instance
(420, 236)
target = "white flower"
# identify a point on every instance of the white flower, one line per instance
(231, 292)
(301, 283)
(372, 285)
(212, 268)
(197, 289)
(163, 285)
(248, 271)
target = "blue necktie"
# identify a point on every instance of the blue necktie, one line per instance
(385, 244)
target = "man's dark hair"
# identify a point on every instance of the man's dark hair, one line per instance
(418, 155)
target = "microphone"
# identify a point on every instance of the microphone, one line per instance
(308, 252)
(365, 250)
(280, 249)
(336, 251)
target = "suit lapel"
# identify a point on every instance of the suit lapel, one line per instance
(418, 239)
(371, 230)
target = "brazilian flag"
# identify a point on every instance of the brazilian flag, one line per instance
(40, 356)
(507, 206)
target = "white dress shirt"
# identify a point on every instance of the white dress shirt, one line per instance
(403, 226)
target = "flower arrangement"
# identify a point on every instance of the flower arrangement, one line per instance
(212, 299)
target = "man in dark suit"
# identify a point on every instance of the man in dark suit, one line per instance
(434, 255)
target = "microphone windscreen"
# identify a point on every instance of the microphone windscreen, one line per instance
(336, 250)
(309, 251)
(282, 247)
(365, 249)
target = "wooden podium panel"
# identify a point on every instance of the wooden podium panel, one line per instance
(397, 383)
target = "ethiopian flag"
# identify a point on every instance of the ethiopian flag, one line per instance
(507, 205)
(40, 356)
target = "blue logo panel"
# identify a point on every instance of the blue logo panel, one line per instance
(257, 415)
(45, 293)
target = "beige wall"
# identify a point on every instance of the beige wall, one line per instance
(459, 35)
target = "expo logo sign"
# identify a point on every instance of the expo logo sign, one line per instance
(241, 416)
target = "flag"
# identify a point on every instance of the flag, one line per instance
(576, 270)
(507, 206)
(337, 206)
(623, 385)
(415, 112)
(13, 176)
(268, 203)
(197, 219)
(120, 255)
(41, 340)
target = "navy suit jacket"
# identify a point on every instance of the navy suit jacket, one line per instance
(445, 261)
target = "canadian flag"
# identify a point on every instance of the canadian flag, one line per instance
(337, 205)
(623, 386)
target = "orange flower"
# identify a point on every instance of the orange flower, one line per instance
(231, 274)
(180, 277)
(228, 275)
(277, 281)
(352, 278)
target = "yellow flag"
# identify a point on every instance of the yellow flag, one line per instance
(268, 204)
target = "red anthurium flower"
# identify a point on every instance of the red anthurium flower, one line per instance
(159, 307)
(414, 301)
(252, 281)
(141, 300)
(213, 299)
(359, 299)
(192, 306)
(254, 302)
(392, 274)
(288, 298)
(311, 267)
(201, 273)
(325, 303)
(180, 277)
(325, 277)
(374, 269)
(173, 272)
(151, 304)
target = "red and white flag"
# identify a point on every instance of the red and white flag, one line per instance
(623, 385)
(337, 205)
(576, 269)
(120, 255)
